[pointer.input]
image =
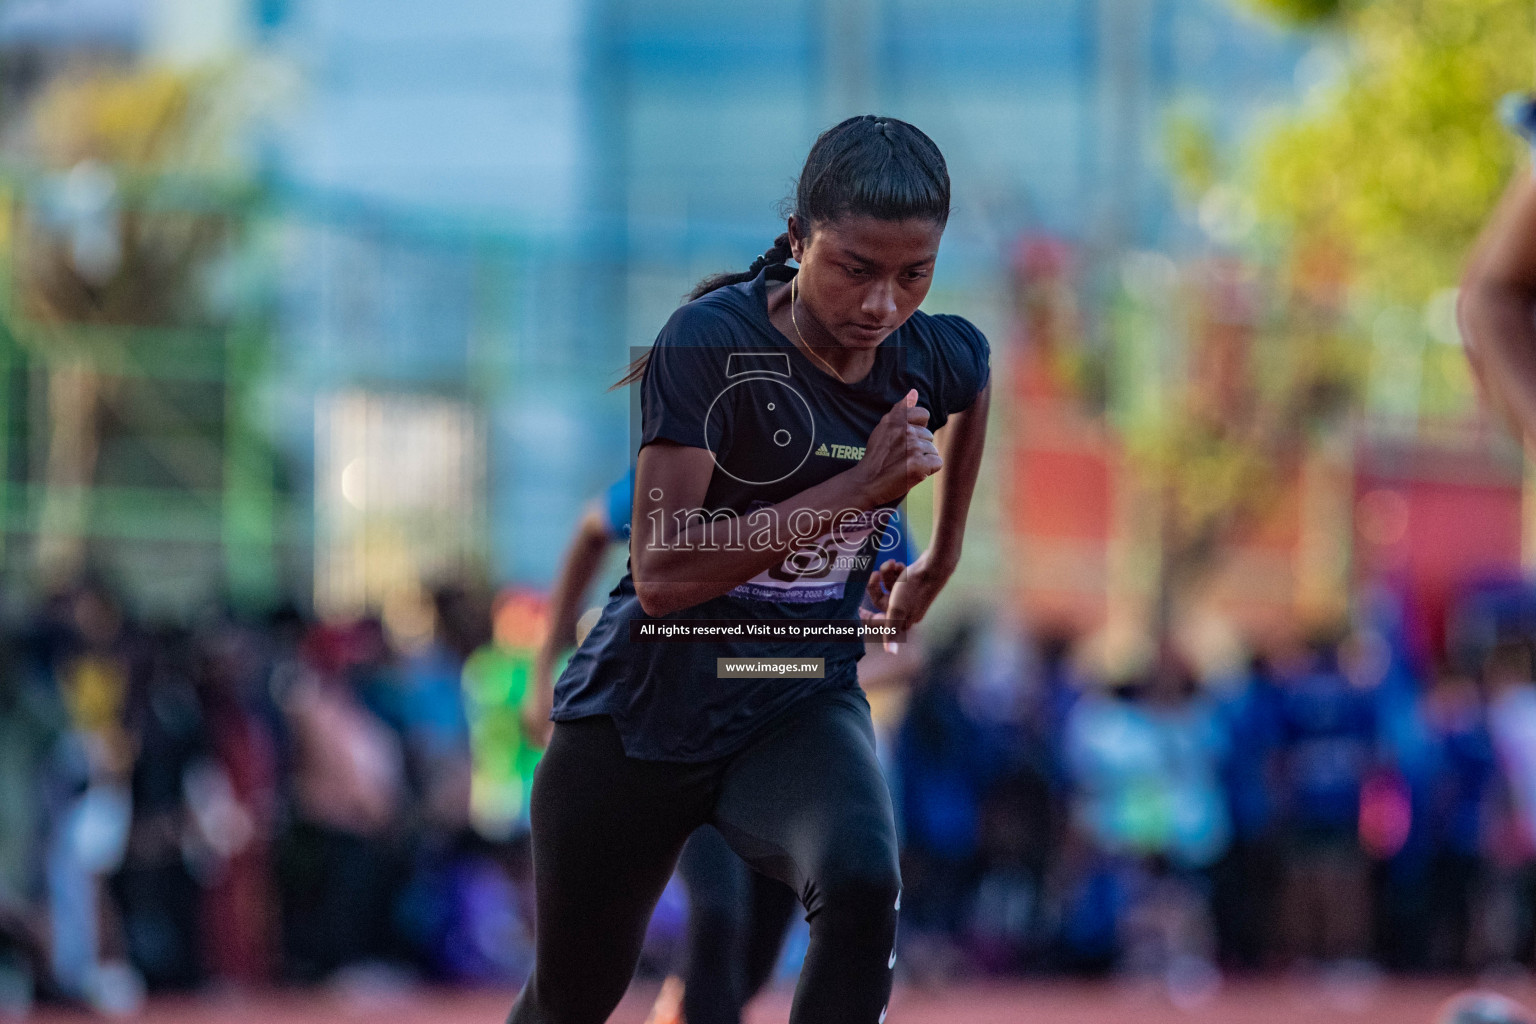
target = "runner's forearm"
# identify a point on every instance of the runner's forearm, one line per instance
(582, 560)
(961, 442)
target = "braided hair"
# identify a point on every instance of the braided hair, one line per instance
(865, 166)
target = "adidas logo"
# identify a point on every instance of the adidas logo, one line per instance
(841, 451)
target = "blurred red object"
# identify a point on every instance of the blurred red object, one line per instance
(1386, 815)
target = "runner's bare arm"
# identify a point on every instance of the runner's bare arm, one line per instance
(910, 591)
(1497, 306)
(961, 441)
(582, 560)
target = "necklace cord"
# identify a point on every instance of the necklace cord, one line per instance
(792, 290)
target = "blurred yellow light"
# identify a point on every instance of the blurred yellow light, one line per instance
(353, 483)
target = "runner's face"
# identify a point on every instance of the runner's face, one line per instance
(860, 277)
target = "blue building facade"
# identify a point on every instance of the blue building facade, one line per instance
(499, 201)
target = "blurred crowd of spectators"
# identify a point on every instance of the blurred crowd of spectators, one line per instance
(1328, 806)
(241, 803)
(247, 802)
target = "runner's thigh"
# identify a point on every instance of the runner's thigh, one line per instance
(807, 803)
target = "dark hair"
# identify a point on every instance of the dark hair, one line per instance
(868, 166)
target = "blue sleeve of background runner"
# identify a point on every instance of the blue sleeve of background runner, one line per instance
(617, 505)
(896, 541)
(1518, 112)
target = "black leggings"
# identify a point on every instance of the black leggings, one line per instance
(736, 922)
(805, 803)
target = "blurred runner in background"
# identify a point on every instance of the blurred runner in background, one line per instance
(1497, 304)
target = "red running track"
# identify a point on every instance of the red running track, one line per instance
(1362, 1001)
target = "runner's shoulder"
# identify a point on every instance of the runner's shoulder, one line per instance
(713, 320)
(952, 345)
(949, 332)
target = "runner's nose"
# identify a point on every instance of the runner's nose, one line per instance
(880, 302)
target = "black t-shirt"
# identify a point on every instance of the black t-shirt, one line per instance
(723, 378)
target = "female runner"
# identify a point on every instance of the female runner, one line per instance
(784, 415)
(736, 917)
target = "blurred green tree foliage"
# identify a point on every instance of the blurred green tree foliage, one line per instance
(1398, 162)
(1299, 12)
(124, 227)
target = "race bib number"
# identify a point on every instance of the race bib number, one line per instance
(819, 569)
